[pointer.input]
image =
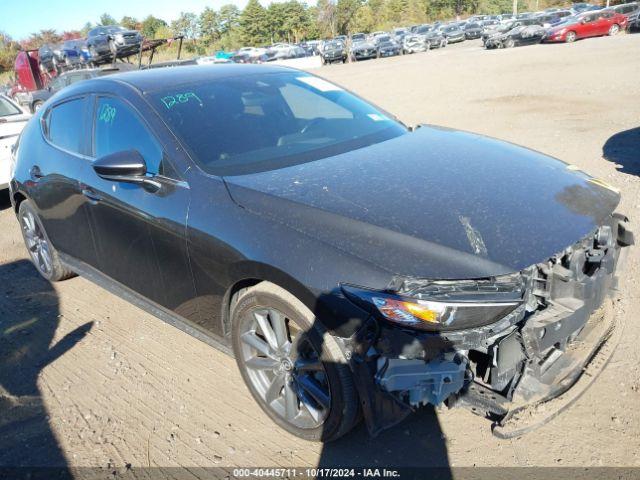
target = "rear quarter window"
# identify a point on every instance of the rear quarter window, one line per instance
(65, 125)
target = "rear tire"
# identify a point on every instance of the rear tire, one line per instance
(294, 357)
(42, 253)
(36, 106)
(614, 29)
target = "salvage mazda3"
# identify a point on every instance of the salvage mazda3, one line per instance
(353, 266)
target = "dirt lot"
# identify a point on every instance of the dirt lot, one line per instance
(87, 379)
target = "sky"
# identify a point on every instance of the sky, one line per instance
(19, 18)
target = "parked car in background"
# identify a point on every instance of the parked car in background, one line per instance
(632, 11)
(356, 268)
(50, 58)
(581, 7)
(472, 30)
(435, 38)
(387, 46)
(550, 19)
(333, 51)
(106, 43)
(282, 51)
(12, 121)
(75, 53)
(589, 24)
(358, 37)
(518, 36)
(35, 99)
(414, 43)
(452, 33)
(362, 50)
(399, 34)
(502, 28)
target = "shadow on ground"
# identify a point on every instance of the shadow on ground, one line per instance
(416, 442)
(29, 317)
(623, 148)
(4, 199)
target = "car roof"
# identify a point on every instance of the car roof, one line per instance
(156, 79)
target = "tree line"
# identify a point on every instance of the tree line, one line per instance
(230, 28)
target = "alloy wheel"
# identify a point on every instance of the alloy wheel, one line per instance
(614, 30)
(284, 368)
(37, 243)
(571, 37)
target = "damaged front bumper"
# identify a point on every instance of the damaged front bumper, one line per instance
(519, 371)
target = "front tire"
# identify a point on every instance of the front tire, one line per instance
(43, 254)
(571, 37)
(294, 369)
(509, 43)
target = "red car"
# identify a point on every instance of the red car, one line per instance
(589, 24)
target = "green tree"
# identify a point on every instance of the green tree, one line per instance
(106, 19)
(345, 12)
(84, 30)
(364, 20)
(326, 18)
(229, 16)
(296, 20)
(209, 24)
(254, 24)
(129, 22)
(151, 25)
(8, 51)
(186, 25)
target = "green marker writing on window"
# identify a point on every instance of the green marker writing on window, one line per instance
(171, 101)
(107, 114)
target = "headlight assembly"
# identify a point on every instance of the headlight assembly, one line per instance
(443, 305)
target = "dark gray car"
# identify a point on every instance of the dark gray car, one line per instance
(106, 43)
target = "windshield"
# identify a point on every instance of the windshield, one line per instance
(72, 43)
(246, 124)
(7, 108)
(333, 45)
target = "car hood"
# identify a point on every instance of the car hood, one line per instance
(363, 46)
(12, 125)
(434, 203)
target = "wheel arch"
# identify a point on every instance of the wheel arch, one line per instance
(249, 273)
(18, 197)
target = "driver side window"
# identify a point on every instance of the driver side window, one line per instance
(118, 128)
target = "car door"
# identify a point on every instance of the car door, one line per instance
(140, 231)
(588, 26)
(604, 22)
(54, 175)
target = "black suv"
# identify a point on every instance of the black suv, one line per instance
(113, 41)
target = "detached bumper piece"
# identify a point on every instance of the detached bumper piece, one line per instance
(519, 372)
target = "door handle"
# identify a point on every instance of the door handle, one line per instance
(91, 195)
(35, 173)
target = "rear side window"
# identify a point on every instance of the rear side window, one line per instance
(118, 128)
(65, 125)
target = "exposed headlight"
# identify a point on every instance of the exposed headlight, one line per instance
(441, 305)
(119, 37)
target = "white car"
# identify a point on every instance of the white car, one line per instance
(12, 121)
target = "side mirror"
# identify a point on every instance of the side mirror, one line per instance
(125, 166)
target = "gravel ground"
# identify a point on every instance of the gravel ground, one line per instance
(89, 380)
